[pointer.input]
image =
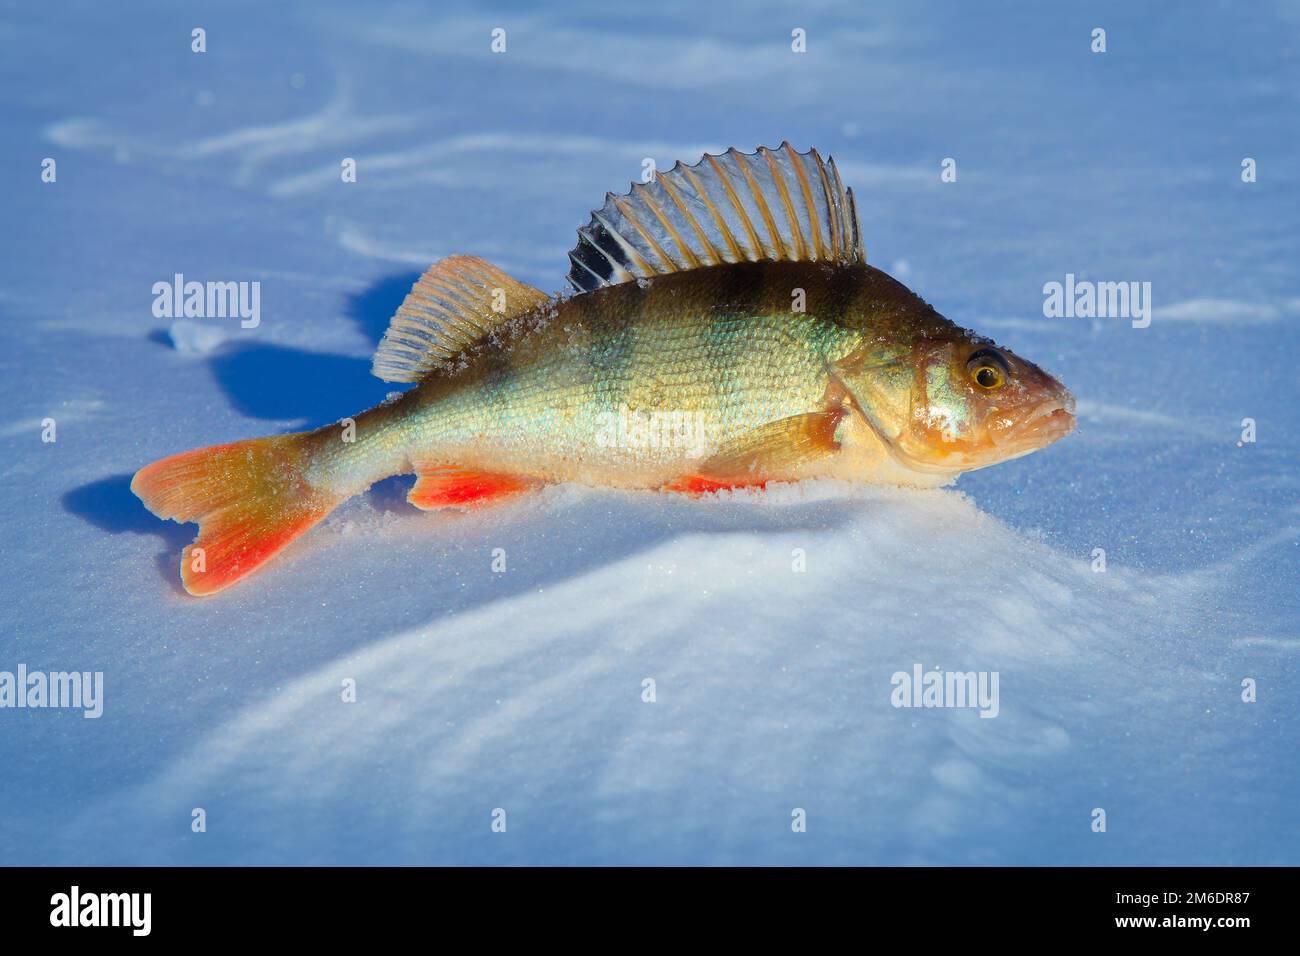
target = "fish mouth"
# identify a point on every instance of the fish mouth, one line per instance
(1048, 422)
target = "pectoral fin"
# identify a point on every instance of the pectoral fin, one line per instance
(772, 452)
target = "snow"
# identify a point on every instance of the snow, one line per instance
(197, 338)
(522, 689)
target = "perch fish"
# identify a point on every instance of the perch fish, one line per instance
(724, 330)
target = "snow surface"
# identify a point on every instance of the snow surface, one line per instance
(522, 690)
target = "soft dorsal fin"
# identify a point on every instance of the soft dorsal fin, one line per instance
(457, 301)
(769, 205)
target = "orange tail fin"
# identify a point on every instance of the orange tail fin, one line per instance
(250, 499)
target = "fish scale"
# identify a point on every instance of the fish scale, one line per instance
(645, 352)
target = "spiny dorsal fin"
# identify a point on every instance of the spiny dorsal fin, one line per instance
(457, 301)
(769, 205)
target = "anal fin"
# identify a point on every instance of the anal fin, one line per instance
(704, 485)
(771, 452)
(446, 486)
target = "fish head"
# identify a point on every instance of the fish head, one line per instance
(958, 402)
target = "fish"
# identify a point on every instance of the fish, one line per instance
(723, 330)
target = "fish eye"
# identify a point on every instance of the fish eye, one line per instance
(988, 369)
